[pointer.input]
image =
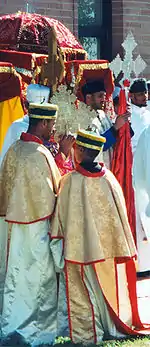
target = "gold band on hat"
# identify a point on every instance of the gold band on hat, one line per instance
(89, 146)
(90, 140)
(91, 136)
(42, 117)
(43, 111)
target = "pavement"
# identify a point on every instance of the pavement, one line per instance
(143, 293)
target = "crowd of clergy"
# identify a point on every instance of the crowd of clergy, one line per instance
(69, 260)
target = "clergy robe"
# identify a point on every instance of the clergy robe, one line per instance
(105, 128)
(141, 174)
(13, 134)
(140, 119)
(29, 180)
(98, 251)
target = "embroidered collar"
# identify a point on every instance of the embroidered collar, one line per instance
(27, 137)
(87, 173)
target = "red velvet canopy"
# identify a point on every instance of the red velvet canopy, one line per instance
(86, 70)
(10, 82)
(27, 64)
(28, 32)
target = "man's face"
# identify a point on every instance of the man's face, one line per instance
(78, 153)
(140, 99)
(97, 100)
(48, 128)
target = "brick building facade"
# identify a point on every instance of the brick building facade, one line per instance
(65, 11)
(132, 15)
(118, 17)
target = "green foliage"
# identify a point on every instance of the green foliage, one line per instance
(61, 340)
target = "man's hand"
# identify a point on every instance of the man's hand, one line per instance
(118, 79)
(121, 120)
(65, 144)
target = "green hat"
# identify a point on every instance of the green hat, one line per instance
(43, 111)
(90, 139)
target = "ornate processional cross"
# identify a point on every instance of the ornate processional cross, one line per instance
(53, 71)
(128, 65)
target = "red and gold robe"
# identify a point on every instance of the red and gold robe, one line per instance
(29, 180)
(99, 252)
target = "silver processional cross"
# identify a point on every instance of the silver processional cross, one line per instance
(128, 65)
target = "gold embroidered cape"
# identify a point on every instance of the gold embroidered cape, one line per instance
(29, 180)
(91, 217)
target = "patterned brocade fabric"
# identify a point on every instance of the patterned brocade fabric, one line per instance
(29, 32)
(29, 180)
(90, 206)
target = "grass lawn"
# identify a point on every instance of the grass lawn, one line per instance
(136, 342)
(128, 343)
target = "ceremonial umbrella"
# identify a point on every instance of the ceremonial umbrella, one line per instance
(28, 32)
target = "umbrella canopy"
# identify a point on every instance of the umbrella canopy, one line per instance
(10, 82)
(29, 32)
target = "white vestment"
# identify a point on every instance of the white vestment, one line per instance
(148, 105)
(140, 119)
(102, 123)
(29, 180)
(30, 287)
(141, 181)
(13, 134)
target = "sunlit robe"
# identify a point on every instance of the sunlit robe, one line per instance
(97, 293)
(141, 180)
(29, 181)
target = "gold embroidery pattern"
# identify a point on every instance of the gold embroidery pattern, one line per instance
(94, 220)
(29, 180)
(80, 307)
(83, 67)
(7, 69)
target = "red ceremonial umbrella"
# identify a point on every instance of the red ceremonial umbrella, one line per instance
(28, 32)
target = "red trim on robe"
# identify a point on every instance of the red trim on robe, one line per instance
(56, 237)
(120, 325)
(118, 260)
(117, 289)
(85, 263)
(121, 260)
(131, 278)
(26, 223)
(67, 296)
(64, 165)
(27, 137)
(93, 315)
(86, 173)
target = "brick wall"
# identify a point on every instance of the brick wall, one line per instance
(117, 26)
(132, 15)
(127, 15)
(64, 10)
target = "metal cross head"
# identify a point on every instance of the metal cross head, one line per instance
(53, 71)
(128, 65)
